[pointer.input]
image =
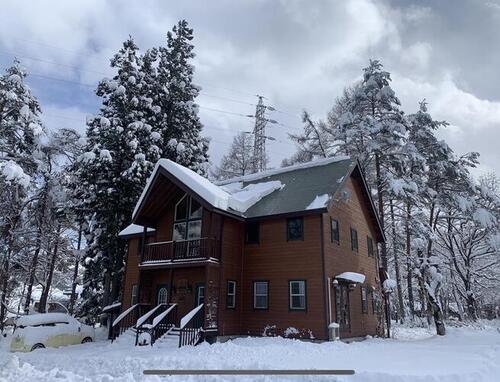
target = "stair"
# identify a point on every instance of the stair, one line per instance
(171, 337)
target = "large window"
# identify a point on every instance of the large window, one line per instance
(260, 294)
(364, 300)
(187, 224)
(369, 243)
(297, 289)
(354, 240)
(134, 295)
(252, 233)
(295, 229)
(335, 230)
(231, 294)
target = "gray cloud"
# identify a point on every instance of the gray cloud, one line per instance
(299, 54)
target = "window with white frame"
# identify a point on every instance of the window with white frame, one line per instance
(297, 289)
(260, 294)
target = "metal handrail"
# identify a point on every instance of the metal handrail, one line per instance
(127, 321)
(190, 332)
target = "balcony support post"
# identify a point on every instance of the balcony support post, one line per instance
(143, 243)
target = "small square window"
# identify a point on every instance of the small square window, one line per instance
(260, 294)
(295, 229)
(297, 290)
(335, 230)
(354, 240)
(231, 294)
(369, 243)
(252, 233)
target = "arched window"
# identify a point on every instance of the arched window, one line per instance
(162, 295)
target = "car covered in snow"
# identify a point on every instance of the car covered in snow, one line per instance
(38, 331)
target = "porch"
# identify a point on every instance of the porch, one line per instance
(173, 304)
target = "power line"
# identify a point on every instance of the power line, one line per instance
(50, 62)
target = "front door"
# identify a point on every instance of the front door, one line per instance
(161, 294)
(200, 294)
(342, 309)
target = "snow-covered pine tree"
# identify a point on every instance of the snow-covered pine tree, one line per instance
(20, 128)
(175, 96)
(239, 160)
(120, 152)
(446, 176)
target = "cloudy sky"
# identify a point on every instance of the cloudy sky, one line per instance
(298, 54)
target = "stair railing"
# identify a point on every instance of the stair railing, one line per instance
(143, 323)
(191, 327)
(126, 319)
(163, 322)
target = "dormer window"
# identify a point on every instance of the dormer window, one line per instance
(187, 220)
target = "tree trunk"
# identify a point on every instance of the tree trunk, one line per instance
(409, 265)
(395, 244)
(380, 199)
(437, 314)
(32, 271)
(42, 308)
(72, 299)
(5, 285)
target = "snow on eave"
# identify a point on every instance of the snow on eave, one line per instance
(320, 201)
(206, 190)
(352, 276)
(238, 201)
(134, 229)
(265, 174)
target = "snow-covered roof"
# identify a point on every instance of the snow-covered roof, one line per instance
(42, 318)
(134, 229)
(234, 197)
(352, 276)
(265, 174)
(294, 189)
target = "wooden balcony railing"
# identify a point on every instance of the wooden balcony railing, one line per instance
(171, 251)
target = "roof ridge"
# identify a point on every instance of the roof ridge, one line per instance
(265, 174)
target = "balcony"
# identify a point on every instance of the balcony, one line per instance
(181, 252)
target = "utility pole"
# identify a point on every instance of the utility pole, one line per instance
(259, 132)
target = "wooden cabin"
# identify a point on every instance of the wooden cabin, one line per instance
(284, 252)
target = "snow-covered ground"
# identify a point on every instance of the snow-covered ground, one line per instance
(463, 355)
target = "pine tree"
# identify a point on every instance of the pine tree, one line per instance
(20, 127)
(175, 97)
(121, 149)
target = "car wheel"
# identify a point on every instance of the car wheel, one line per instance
(38, 346)
(86, 340)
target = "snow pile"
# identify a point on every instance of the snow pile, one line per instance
(389, 285)
(243, 199)
(352, 276)
(41, 318)
(13, 173)
(319, 201)
(464, 355)
(134, 229)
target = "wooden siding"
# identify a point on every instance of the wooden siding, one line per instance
(131, 271)
(352, 212)
(232, 263)
(277, 260)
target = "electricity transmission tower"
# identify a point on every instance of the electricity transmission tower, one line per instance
(259, 132)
